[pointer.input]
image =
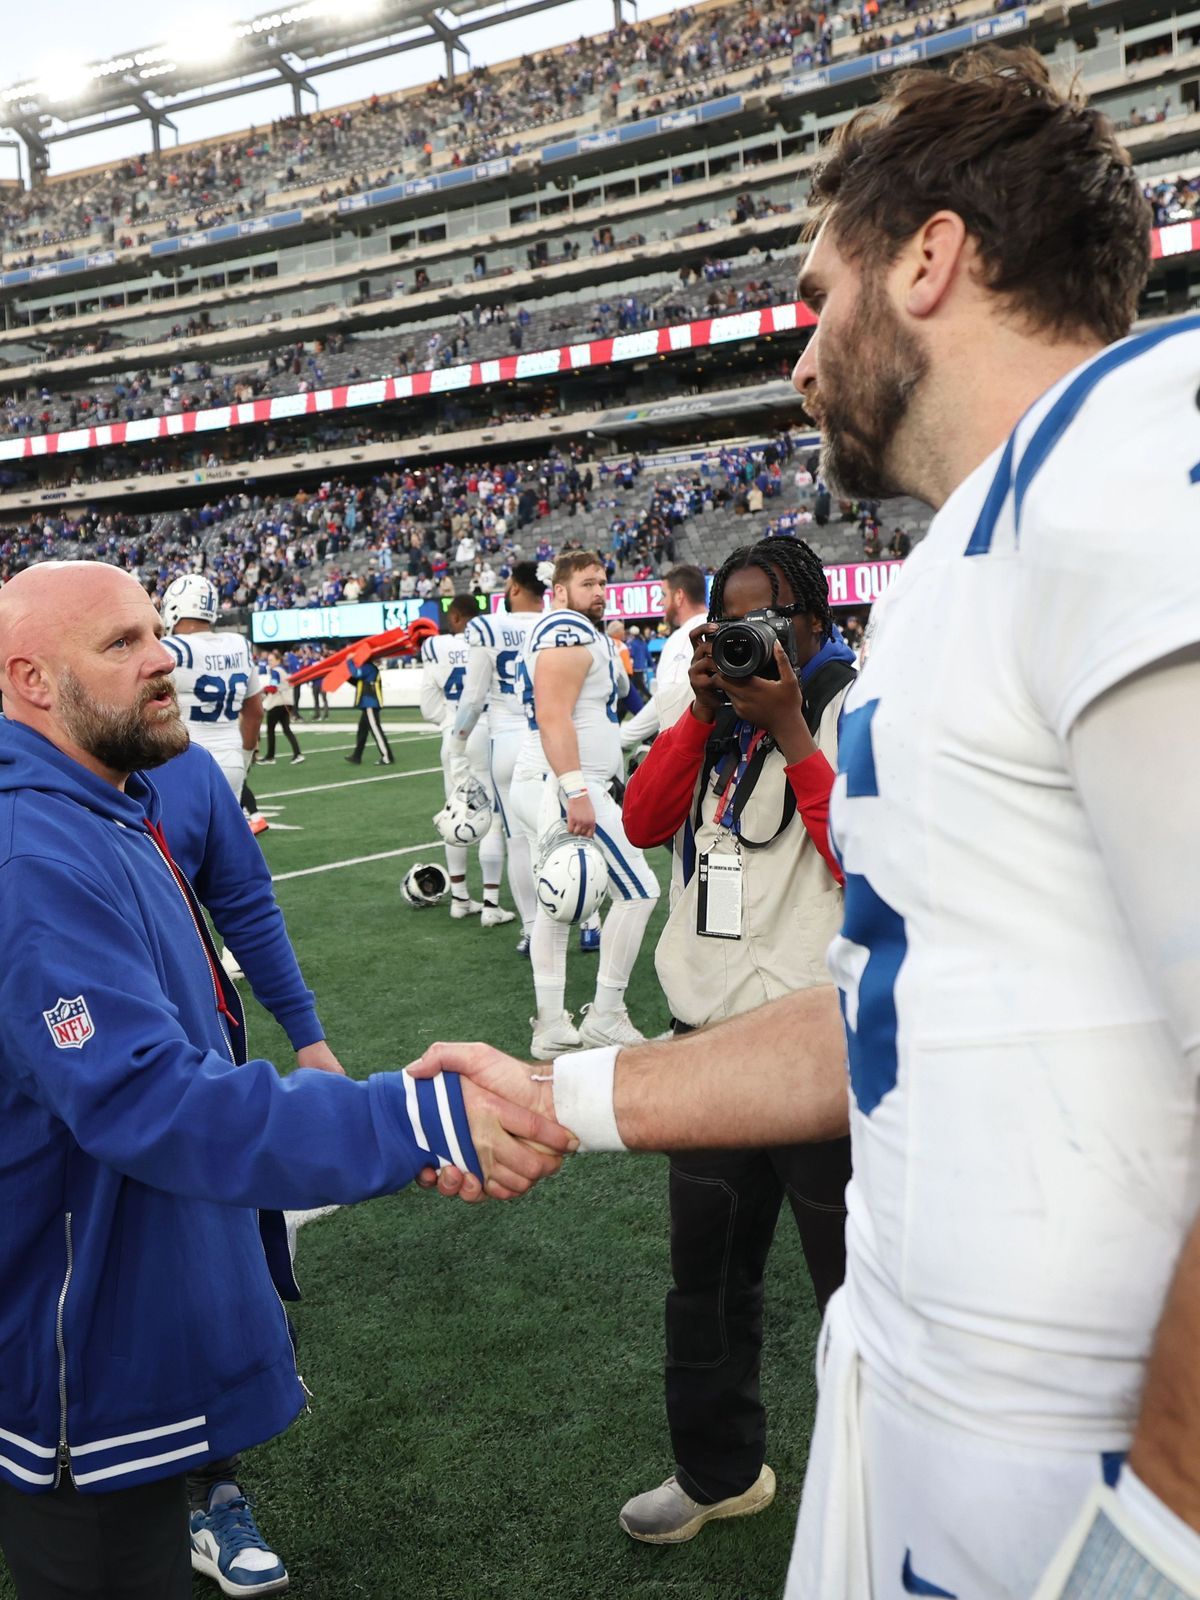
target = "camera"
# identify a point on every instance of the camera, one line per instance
(746, 648)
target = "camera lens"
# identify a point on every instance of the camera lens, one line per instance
(739, 650)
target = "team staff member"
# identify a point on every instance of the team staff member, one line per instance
(208, 839)
(685, 608)
(278, 715)
(141, 1325)
(745, 783)
(368, 697)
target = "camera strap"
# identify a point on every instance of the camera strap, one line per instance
(723, 755)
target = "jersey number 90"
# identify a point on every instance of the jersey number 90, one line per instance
(220, 700)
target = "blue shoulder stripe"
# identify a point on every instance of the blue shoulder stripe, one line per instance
(172, 644)
(1054, 424)
(427, 650)
(1064, 410)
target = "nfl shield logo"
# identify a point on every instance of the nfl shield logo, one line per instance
(70, 1023)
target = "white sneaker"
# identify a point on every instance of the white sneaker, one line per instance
(608, 1027)
(669, 1515)
(464, 908)
(229, 962)
(297, 761)
(554, 1038)
(496, 916)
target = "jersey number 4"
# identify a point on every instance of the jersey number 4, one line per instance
(217, 698)
(873, 941)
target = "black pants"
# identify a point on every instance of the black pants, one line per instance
(204, 1479)
(279, 717)
(724, 1208)
(130, 1544)
(370, 727)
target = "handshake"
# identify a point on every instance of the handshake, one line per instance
(510, 1108)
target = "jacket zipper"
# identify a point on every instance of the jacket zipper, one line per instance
(64, 1459)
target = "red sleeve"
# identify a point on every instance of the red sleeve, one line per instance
(659, 795)
(812, 784)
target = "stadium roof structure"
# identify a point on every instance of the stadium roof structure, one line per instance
(203, 64)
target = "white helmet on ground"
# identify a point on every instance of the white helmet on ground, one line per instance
(467, 815)
(425, 884)
(190, 596)
(570, 876)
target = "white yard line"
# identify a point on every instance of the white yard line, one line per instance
(356, 861)
(349, 783)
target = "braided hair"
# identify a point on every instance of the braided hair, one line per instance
(800, 565)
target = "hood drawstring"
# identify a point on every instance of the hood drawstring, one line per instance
(185, 890)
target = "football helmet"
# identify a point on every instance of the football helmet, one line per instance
(467, 815)
(425, 884)
(190, 596)
(570, 876)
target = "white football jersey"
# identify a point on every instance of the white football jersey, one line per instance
(214, 677)
(496, 643)
(1024, 1122)
(444, 665)
(595, 714)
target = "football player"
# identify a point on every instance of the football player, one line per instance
(1008, 1379)
(444, 660)
(494, 648)
(220, 693)
(571, 752)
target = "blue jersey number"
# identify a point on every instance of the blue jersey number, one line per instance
(454, 684)
(218, 699)
(872, 925)
(506, 670)
(526, 692)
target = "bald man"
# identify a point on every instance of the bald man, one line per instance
(140, 1322)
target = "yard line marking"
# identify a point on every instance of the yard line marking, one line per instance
(328, 749)
(349, 783)
(355, 861)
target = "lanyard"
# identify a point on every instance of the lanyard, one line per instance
(735, 778)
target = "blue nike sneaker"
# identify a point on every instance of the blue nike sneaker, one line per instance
(589, 941)
(523, 946)
(227, 1546)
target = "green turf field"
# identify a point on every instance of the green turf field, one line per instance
(486, 1380)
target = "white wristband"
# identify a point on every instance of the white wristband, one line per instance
(583, 1097)
(572, 784)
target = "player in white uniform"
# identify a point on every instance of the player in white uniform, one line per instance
(571, 752)
(444, 662)
(1016, 816)
(495, 645)
(220, 693)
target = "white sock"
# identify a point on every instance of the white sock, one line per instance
(491, 860)
(520, 879)
(620, 941)
(456, 866)
(548, 957)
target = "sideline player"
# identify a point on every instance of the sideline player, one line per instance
(219, 690)
(1015, 814)
(445, 658)
(570, 754)
(494, 647)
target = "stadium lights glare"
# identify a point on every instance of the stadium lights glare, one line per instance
(197, 43)
(64, 80)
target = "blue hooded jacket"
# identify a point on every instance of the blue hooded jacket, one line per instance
(140, 1331)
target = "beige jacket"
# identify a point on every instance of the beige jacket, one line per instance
(791, 907)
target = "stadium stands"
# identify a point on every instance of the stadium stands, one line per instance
(637, 183)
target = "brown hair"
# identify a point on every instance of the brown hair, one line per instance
(573, 561)
(1037, 176)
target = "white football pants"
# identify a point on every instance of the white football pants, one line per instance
(898, 1501)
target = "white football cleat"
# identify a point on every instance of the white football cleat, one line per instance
(464, 908)
(496, 916)
(554, 1039)
(608, 1027)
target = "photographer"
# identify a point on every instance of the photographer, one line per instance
(743, 780)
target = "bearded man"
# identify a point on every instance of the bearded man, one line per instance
(141, 1332)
